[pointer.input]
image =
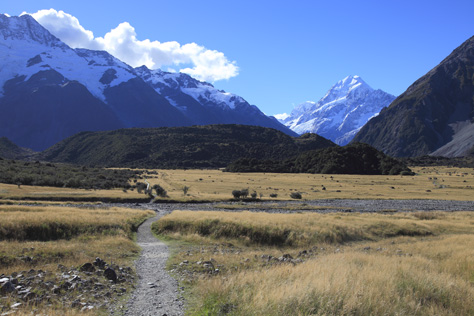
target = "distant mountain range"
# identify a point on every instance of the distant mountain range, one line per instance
(340, 114)
(49, 91)
(435, 115)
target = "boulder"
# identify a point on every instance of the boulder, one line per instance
(110, 274)
(88, 267)
(7, 287)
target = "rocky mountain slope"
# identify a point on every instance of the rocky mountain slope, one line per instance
(435, 115)
(339, 115)
(49, 91)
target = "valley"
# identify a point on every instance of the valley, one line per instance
(140, 189)
(217, 242)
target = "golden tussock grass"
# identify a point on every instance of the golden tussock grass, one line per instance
(350, 283)
(49, 222)
(377, 273)
(440, 183)
(308, 228)
(10, 191)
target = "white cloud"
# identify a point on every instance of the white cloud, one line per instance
(122, 42)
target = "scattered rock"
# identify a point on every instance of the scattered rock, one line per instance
(88, 267)
(36, 287)
(99, 263)
(7, 287)
(209, 265)
(110, 274)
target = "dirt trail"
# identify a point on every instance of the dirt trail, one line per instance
(157, 292)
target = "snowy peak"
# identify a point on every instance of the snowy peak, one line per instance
(26, 28)
(30, 48)
(345, 108)
(344, 87)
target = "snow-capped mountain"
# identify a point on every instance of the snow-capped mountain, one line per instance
(203, 102)
(340, 114)
(49, 91)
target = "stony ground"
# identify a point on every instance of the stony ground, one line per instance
(94, 286)
(156, 292)
(326, 206)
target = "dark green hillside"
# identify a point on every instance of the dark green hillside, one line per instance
(356, 158)
(209, 146)
(423, 161)
(9, 150)
(435, 114)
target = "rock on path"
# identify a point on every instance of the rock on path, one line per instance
(157, 292)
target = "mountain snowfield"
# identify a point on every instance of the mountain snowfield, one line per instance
(341, 113)
(64, 91)
(26, 43)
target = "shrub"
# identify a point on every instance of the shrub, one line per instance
(236, 194)
(273, 195)
(160, 191)
(185, 190)
(254, 195)
(141, 187)
(241, 194)
(295, 195)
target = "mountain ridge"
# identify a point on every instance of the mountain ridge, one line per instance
(435, 115)
(111, 93)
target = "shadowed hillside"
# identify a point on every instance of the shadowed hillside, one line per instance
(356, 158)
(211, 146)
(435, 114)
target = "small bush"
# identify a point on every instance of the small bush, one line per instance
(160, 191)
(236, 194)
(185, 190)
(241, 194)
(295, 195)
(273, 195)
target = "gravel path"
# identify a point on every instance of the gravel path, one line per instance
(157, 292)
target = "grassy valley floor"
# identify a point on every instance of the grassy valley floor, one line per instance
(323, 264)
(318, 255)
(440, 183)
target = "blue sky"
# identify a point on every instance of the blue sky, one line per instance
(277, 54)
